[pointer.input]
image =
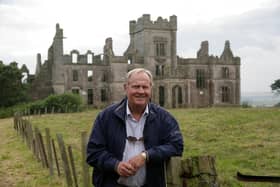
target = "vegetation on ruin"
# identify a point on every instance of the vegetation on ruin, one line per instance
(241, 139)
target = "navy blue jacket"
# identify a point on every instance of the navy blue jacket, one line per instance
(162, 139)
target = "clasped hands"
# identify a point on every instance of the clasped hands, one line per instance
(130, 167)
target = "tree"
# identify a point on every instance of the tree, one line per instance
(275, 87)
(12, 90)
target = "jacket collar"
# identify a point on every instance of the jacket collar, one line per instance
(120, 110)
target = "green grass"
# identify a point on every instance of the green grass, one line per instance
(241, 139)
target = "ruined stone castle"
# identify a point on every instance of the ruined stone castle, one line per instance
(203, 81)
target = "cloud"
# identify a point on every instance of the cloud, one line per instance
(254, 36)
(28, 27)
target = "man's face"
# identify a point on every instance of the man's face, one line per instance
(138, 90)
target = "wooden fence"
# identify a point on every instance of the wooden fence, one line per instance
(45, 150)
(191, 172)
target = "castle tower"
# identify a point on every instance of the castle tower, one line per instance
(58, 42)
(154, 42)
(57, 61)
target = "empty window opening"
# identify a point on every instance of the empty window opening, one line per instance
(161, 96)
(225, 94)
(74, 58)
(103, 95)
(160, 49)
(90, 96)
(89, 75)
(75, 91)
(24, 77)
(177, 98)
(225, 72)
(159, 70)
(104, 77)
(75, 75)
(89, 58)
(200, 78)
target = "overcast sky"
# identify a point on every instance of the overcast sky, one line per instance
(27, 27)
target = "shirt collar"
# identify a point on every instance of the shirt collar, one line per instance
(128, 112)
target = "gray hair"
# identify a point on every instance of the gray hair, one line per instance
(139, 70)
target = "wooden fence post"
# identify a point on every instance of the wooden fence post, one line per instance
(197, 171)
(64, 160)
(55, 157)
(49, 150)
(38, 151)
(43, 150)
(72, 165)
(200, 171)
(85, 166)
(29, 134)
(174, 172)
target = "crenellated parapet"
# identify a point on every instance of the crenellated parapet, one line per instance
(145, 22)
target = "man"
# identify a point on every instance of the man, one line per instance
(131, 140)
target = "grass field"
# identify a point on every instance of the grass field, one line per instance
(241, 139)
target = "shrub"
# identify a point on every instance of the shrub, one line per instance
(67, 102)
(35, 107)
(245, 104)
(9, 111)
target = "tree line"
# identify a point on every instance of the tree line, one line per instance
(14, 89)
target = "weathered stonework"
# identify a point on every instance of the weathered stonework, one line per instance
(178, 82)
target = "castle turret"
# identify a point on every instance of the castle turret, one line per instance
(227, 54)
(108, 50)
(58, 42)
(204, 50)
(38, 64)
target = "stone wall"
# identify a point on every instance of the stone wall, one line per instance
(179, 82)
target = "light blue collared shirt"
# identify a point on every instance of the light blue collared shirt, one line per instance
(134, 128)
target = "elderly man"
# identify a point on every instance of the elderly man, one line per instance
(130, 141)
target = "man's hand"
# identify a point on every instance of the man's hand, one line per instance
(125, 169)
(137, 161)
